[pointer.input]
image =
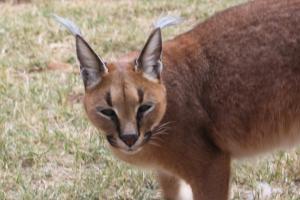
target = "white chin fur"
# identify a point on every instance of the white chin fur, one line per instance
(132, 152)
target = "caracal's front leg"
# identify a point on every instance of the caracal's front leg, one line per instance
(174, 188)
(211, 181)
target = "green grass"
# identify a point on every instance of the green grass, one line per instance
(48, 149)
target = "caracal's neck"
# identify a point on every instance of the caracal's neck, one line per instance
(185, 61)
(184, 72)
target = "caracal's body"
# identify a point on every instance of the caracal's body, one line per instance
(229, 88)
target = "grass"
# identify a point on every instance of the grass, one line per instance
(48, 149)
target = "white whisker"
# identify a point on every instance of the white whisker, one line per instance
(156, 139)
(161, 133)
(154, 143)
(162, 128)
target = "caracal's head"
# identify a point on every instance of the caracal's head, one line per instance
(126, 100)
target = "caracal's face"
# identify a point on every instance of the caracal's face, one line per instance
(126, 107)
(126, 100)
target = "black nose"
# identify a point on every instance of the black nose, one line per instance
(129, 139)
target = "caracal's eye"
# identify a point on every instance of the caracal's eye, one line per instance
(107, 112)
(145, 108)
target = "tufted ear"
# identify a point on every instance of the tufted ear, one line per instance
(91, 66)
(149, 60)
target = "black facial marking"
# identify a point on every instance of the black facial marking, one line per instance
(124, 90)
(147, 136)
(117, 124)
(111, 140)
(141, 95)
(108, 99)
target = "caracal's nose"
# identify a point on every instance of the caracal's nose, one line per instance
(129, 139)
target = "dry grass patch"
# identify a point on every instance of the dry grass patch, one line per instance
(48, 149)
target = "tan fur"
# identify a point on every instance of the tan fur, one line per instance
(232, 89)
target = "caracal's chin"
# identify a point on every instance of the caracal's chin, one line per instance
(131, 151)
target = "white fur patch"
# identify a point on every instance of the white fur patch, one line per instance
(167, 21)
(71, 26)
(185, 191)
(150, 78)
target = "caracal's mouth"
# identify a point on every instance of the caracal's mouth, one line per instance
(152, 137)
(117, 143)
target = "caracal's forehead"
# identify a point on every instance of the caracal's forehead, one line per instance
(125, 88)
(120, 85)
